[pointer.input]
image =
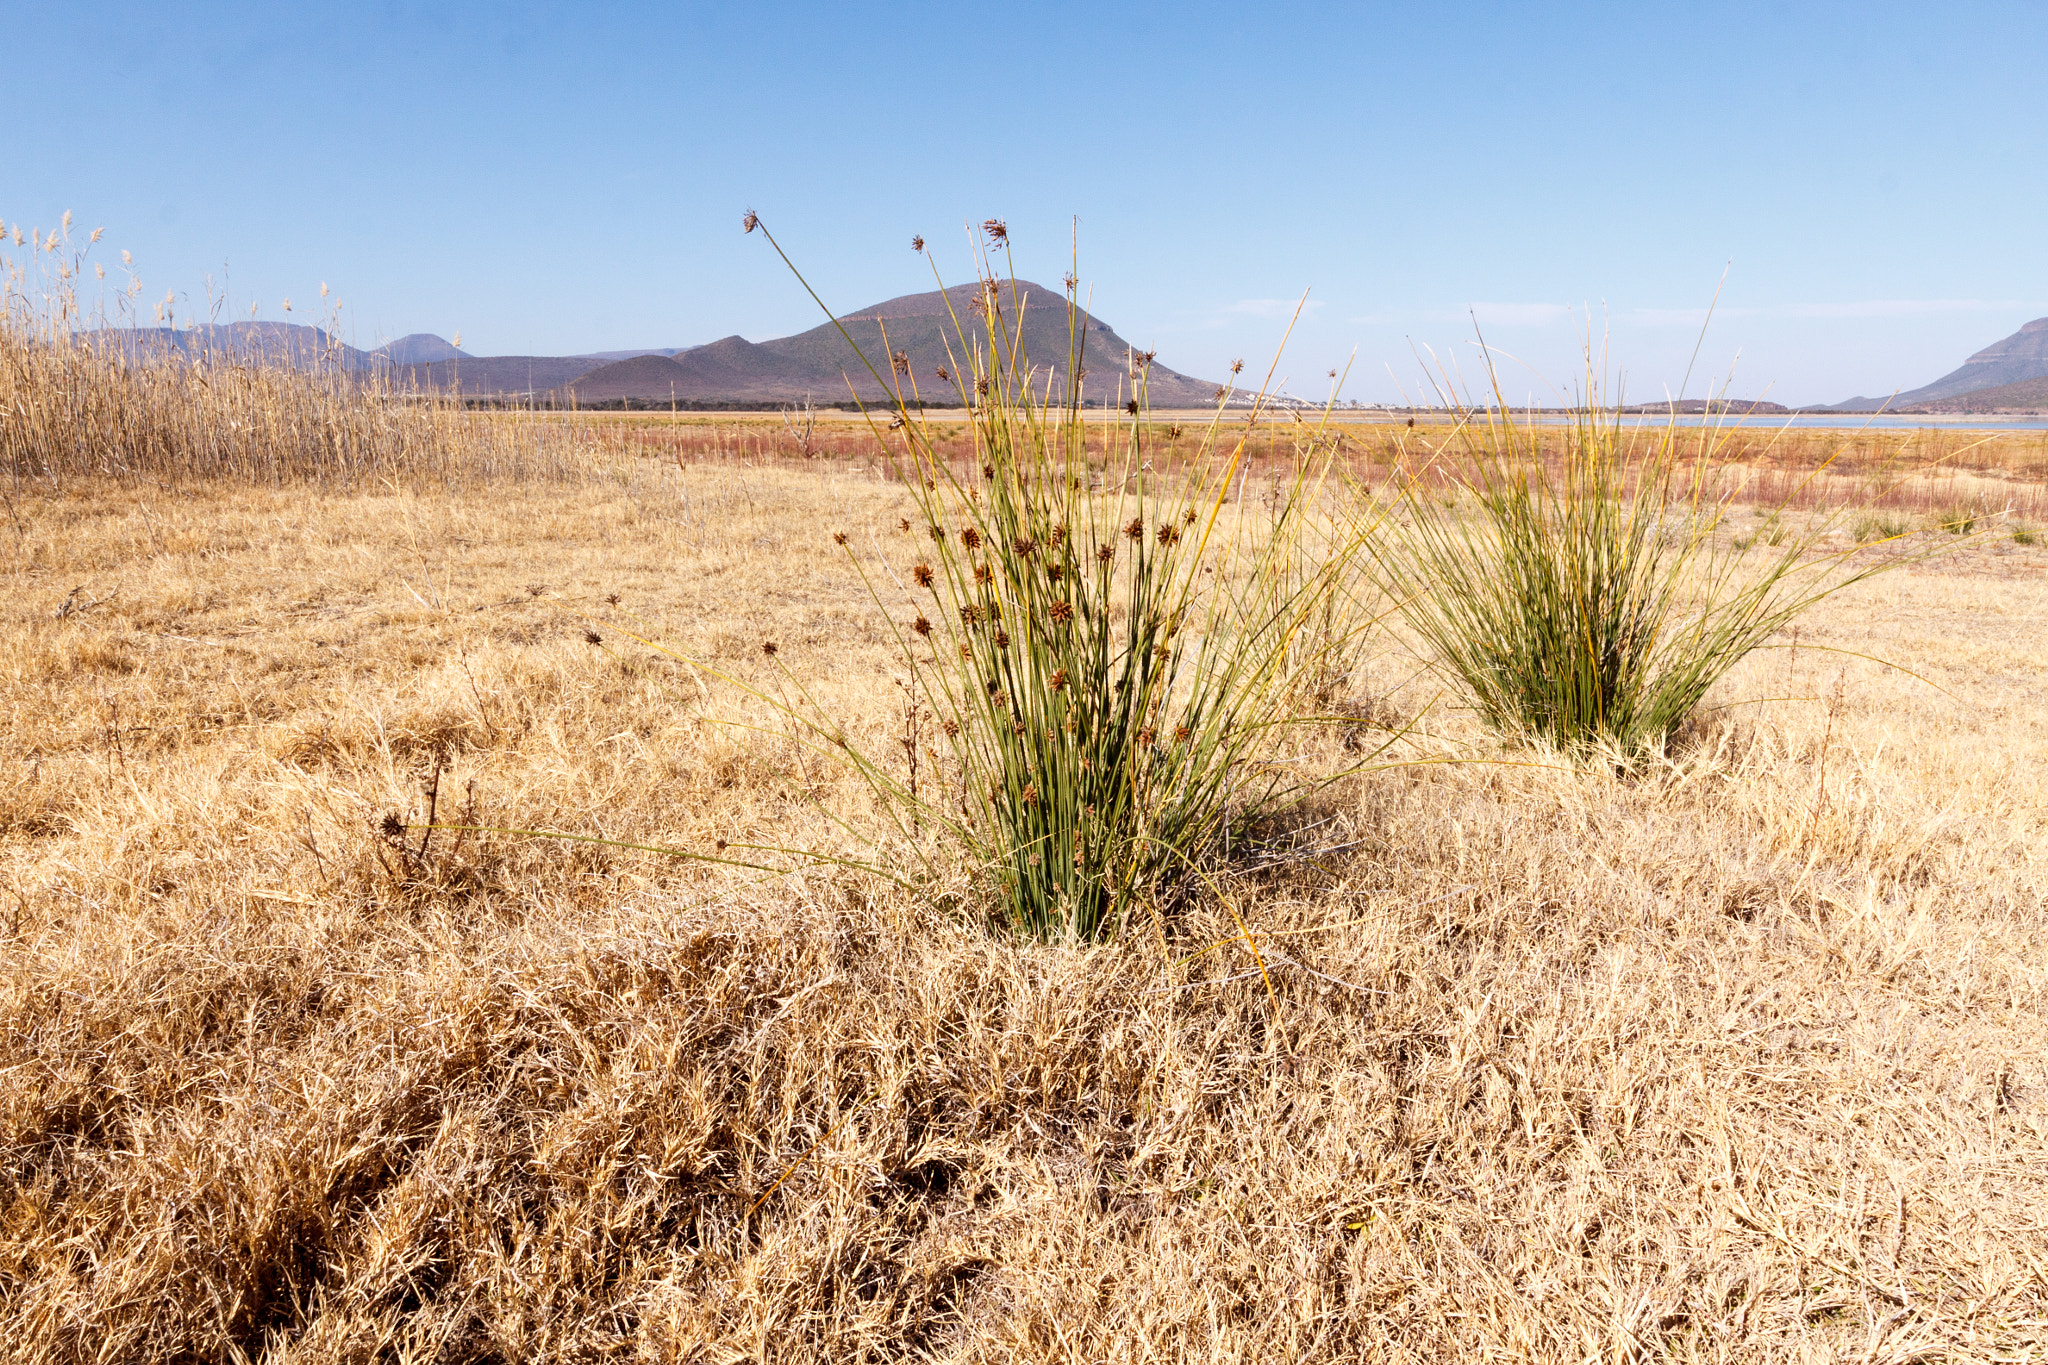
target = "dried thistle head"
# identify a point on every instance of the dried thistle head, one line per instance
(750, 220)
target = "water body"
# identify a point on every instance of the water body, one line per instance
(1805, 421)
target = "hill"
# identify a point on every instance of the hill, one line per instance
(2029, 395)
(419, 348)
(266, 343)
(819, 364)
(2018, 358)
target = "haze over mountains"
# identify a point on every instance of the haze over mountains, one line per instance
(2010, 375)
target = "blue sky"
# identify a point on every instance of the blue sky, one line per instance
(554, 178)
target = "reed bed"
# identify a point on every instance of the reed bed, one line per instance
(83, 395)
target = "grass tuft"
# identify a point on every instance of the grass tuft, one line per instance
(1587, 598)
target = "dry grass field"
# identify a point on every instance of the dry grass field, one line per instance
(1741, 1057)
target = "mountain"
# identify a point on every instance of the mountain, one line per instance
(418, 349)
(2020, 357)
(497, 375)
(265, 343)
(818, 364)
(2029, 395)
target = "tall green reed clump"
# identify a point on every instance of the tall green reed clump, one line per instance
(1112, 654)
(1579, 585)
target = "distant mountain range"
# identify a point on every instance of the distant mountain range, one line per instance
(819, 365)
(2004, 376)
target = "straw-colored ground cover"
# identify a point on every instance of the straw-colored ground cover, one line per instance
(1738, 1058)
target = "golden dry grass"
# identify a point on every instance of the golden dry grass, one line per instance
(1741, 1059)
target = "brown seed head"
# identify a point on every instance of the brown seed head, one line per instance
(1147, 738)
(917, 244)
(970, 614)
(988, 471)
(921, 626)
(901, 360)
(1030, 794)
(1061, 611)
(750, 221)
(1059, 680)
(1135, 530)
(923, 574)
(721, 845)
(1057, 536)
(1002, 639)
(1168, 533)
(1181, 733)
(995, 229)
(951, 727)
(970, 537)
(984, 574)
(903, 523)
(1237, 367)
(944, 374)
(768, 648)
(839, 537)
(593, 637)
(1055, 571)
(1188, 517)
(1104, 553)
(1024, 547)
(938, 532)
(1131, 407)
